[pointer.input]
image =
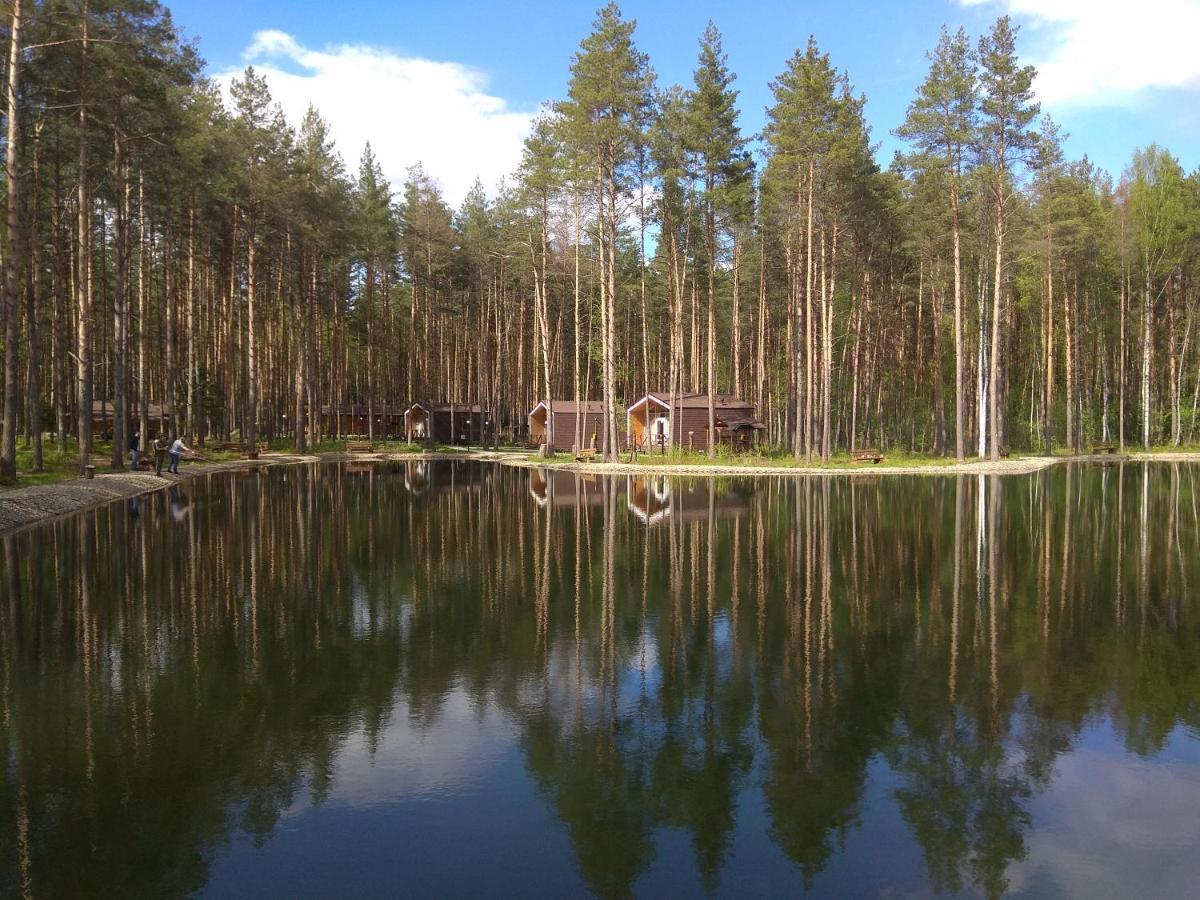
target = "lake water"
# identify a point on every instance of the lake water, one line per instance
(459, 679)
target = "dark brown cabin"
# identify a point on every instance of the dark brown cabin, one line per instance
(446, 423)
(654, 418)
(589, 414)
(352, 421)
(102, 419)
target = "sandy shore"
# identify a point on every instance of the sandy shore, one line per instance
(22, 507)
(1022, 466)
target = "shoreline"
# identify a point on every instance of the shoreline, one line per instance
(25, 507)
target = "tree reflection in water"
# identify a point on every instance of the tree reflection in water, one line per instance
(667, 651)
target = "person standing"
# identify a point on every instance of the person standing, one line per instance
(160, 452)
(135, 444)
(178, 448)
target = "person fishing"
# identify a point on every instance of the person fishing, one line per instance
(135, 444)
(178, 448)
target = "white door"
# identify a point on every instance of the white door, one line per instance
(661, 431)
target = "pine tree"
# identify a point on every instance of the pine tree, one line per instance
(941, 122)
(723, 167)
(1007, 110)
(608, 95)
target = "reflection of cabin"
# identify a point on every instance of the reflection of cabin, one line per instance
(445, 423)
(653, 418)
(416, 476)
(352, 420)
(559, 488)
(654, 498)
(589, 414)
(102, 418)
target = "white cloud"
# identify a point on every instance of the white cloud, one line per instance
(410, 109)
(1107, 52)
(1113, 825)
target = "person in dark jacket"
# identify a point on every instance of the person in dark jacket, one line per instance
(160, 455)
(135, 444)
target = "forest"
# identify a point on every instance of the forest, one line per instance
(174, 248)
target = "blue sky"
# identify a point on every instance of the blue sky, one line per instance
(455, 83)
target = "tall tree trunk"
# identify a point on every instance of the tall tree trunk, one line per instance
(1069, 369)
(808, 323)
(34, 301)
(994, 382)
(143, 328)
(959, 387)
(760, 369)
(251, 427)
(1048, 424)
(1147, 350)
(189, 389)
(83, 283)
(120, 358)
(735, 355)
(8, 448)
(710, 230)
(1121, 367)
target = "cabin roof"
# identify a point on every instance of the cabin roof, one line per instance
(698, 401)
(570, 406)
(104, 408)
(446, 407)
(358, 410)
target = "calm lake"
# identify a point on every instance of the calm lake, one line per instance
(453, 679)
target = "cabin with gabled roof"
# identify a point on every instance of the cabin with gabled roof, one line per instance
(658, 415)
(446, 423)
(588, 415)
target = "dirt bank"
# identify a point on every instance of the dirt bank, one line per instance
(22, 507)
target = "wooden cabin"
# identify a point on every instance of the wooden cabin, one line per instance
(588, 413)
(446, 423)
(351, 420)
(658, 415)
(102, 419)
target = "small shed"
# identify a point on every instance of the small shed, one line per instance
(658, 415)
(446, 423)
(588, 414)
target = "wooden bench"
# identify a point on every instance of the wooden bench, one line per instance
(1099, 449)
(868, 454)
(234, 446)
(359, 447)
(586, 454)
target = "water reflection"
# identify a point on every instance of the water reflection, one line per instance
(779, 684)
